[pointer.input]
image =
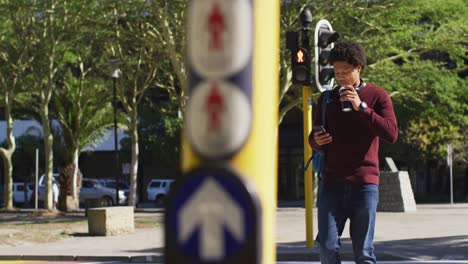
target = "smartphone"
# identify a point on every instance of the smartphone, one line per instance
(320, 128)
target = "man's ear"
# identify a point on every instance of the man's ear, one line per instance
(359, 68)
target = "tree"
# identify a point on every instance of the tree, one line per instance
(83, 110)
(81, 102)
(15, 61)
(417, 52)
(159, 129)
(169, 28)
(133, 43)
(52, 27)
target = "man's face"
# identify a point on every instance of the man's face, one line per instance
(347, 74)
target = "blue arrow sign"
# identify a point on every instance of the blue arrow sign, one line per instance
(212, 217)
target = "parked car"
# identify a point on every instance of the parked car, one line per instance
(158, 189)
(18, 192)
(93, 189)
(123, 186)
(41, 188)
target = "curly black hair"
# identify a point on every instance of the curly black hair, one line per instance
(349, 51)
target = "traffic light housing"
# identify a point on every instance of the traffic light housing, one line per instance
(323, 43)
(300, 61)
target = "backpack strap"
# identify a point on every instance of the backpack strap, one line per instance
(325, 99)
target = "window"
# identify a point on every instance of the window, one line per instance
(88, 184)
(155, 184)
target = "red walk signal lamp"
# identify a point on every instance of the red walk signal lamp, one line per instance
(300, 61)
(300, 56)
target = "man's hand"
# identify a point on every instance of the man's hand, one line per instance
(322, 138)
(352, 96)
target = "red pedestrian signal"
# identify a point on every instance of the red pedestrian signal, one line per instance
(300, 56)
(300, 61)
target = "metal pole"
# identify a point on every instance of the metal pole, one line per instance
(257, 159)
(116, 147)
(451, 184)
(450, 164)
(37, 177)
(306, 19)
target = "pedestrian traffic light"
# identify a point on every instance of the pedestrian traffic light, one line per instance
(323, 43)
(300, 61)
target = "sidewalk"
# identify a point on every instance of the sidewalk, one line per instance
(434, 232)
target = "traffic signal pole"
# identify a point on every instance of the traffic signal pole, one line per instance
(306, 19)
(324, 37)
(308, 174)
(252, 164)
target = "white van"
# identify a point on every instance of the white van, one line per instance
(18, 192)
(158, 189)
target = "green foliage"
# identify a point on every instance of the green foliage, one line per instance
(24, 158)
(417, 52)
(159, 129)
(81, 101)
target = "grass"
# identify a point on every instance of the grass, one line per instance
(42, 227)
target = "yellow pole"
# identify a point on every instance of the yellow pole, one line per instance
(308, 176)
(257, 160)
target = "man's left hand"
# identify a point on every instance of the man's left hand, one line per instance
(352, 96)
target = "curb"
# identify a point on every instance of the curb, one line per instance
(313, 255)
(122, 259)
(292, 255)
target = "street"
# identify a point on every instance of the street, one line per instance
(281, 262)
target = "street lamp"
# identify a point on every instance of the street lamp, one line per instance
(115, 75)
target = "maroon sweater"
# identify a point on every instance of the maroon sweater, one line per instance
(353, 154)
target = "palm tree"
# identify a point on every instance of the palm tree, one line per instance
(85, 114)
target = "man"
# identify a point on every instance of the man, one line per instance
(351, 166)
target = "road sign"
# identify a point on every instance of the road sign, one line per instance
(218, 119)
(212, 216)
(125, 168)
(219, 36)
(220, 46)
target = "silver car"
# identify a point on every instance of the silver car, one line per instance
(93, 189)
(19, 190)
(123, 186)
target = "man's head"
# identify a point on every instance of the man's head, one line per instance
(348, 59)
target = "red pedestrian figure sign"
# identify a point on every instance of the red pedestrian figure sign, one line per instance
(220, 54)
(214, 108)
(219, 37)
(300, 56)
(216, 27)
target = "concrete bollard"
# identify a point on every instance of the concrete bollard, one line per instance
(108, 221)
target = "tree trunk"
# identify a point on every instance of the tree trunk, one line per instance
(135, 151)
(67, 201)
(48, 157)
(74, 184)
(7, 154)
(8, 185)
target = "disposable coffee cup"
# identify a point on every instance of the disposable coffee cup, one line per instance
(346, 106)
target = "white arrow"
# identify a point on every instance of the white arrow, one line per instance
(210, 208)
